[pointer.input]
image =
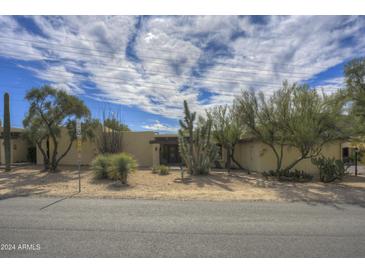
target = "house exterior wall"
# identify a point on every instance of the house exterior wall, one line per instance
(259, 157)
(39, 155)
(138, 144)
(252, 155)
(155, 155)
(134, 143)
(19, 150)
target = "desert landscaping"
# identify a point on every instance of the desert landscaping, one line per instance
(175, 136)
(143, 184)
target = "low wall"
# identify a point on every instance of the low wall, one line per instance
(259, 157)
(135, 143)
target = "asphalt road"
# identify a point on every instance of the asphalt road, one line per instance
(141, 228)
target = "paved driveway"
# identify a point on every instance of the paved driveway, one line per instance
(141, 228)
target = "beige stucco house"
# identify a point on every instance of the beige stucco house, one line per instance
(152, 149)
(135, 143)
(19, 146)
(251, 154)
(256, 156)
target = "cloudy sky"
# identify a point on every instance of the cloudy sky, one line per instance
(144, 67)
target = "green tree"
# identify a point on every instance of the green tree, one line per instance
(227, 130)
(51, 110)
(195, 143)
(354, 93)
(313, 120)
(37, 134)
(6, 132)
(294, 116)
(263, 119)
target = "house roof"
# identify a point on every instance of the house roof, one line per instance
(13, 129)
(14, 132)
(165, 139)
(247, 139)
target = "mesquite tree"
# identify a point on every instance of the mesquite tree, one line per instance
(6, 132)
(313, 121)
(352, 99)
(355, 93)
(262, 119)
(355, 84)
(227, 130)
(50, 111)
(294, 116)
(195, 143)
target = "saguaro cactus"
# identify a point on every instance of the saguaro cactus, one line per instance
(6, 132)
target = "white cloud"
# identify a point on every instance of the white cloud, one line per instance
(332, 85)
(158, 126)
(169, 50)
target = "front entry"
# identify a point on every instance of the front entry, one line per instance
(170, 154)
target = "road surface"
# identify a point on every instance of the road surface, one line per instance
(34, 227)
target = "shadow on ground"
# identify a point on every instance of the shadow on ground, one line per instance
(30, 180)
(350, 191)
(220, 179)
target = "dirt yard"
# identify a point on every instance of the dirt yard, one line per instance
(25, 181)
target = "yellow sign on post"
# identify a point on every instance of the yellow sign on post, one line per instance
(79, 146)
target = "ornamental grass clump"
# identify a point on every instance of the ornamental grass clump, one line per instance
(164, 170)
(100, 166)
(161, 170)
(120, 166)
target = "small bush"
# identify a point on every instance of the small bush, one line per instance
(296, 175)
(330, 169)
(120, 166)
(156, 169)
(164, 170)
(100, 166)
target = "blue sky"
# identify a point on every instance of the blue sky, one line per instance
(143, 67)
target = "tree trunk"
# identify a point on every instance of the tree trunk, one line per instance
(48, 150)
(229, 156)
(64, 154)
(236, 162)
(54, 153)
(294, 163)
(45, 156)
(278, 156)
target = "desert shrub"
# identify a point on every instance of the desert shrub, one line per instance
(100, 166)
(286, 175)
(330, 169)
(164, 170)
(161, 169)
(156, 169)
(120, 166)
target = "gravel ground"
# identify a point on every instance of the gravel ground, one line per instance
(219, 186)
